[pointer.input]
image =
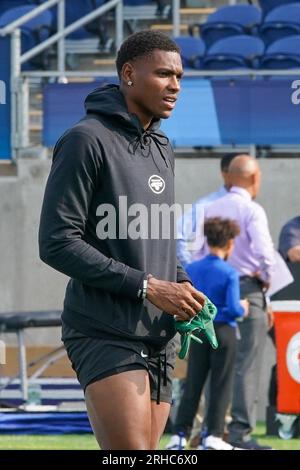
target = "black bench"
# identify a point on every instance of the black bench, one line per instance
(17, 322)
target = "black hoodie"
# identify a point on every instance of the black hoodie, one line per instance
(105, 156)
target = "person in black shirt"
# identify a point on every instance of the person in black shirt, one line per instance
(289, 240)
(110, 172)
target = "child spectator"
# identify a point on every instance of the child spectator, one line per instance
(220, 282)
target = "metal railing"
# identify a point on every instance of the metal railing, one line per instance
(19, 81)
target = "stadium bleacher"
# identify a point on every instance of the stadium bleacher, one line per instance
(237, 38)
(33, 32)
(91, 38)
(229, 21)
(192, 51)
(282, 54)
(280, 22)
(268, 5)
(275, 20)
(241, 52)
(266, 26)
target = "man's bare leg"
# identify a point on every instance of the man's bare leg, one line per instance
(159, 416)
(119, 409)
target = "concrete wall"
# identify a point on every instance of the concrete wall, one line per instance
(26, 283)
(279, 193)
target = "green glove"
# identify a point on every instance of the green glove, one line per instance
(202, 321)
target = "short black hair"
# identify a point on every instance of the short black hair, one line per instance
(227, 159)
(142, 44)
(218, 231)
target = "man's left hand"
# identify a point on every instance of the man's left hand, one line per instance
(270, 316)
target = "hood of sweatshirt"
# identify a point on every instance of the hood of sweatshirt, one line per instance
(108, 104)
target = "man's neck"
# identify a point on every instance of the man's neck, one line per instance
(216, 251)
(241, 189)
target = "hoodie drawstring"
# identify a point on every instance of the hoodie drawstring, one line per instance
(144, 141)
(161, 358)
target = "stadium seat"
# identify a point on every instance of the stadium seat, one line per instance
(162, 6)
(191, 50)
(75, 12)
(137, 2)
(9, 4)
(229, 21)
(90, 38)
(282, 54)
(268, 5)
(234, 52)
(135, 12)
(281, 22)
(33, 32)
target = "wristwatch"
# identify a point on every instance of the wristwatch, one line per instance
(142, 292)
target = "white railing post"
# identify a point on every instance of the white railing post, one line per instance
(22, 365)
(15, 72)
(24, 112)
(176, 17)
(61, 11)
(119, 25)
(252, 150)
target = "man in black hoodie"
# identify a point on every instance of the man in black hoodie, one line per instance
(105, 224)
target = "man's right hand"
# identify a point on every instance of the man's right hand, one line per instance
(245, 304)
(294, 254)
(178, 299)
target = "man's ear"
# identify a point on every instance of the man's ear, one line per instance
(227, 179)
(254, 178)
(127, 73)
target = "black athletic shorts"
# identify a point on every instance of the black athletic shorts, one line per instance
(94, 358)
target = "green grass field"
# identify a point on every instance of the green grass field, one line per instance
(87, 442)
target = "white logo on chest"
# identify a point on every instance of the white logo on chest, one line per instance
(156, 184)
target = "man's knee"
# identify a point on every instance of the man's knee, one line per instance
(133, 443)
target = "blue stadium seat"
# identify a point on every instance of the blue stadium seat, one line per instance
(268, 5)
(137, 11)
(162, 6)
(281, 22)
(191, 50)
(282, 54)
(229, 21)
(137, 2)
(33, 32)
(94, 29)
(234, 52)
(75, 11)
(9, 4)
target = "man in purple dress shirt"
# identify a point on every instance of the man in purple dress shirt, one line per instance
(253, 257)
(187, 223)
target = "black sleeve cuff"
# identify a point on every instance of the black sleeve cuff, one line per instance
(132, 283)
(182, 275)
